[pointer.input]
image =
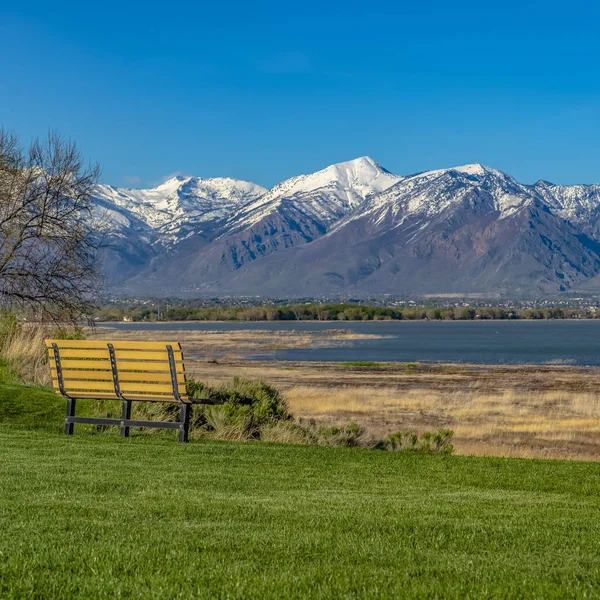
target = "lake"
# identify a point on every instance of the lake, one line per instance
(491, 342)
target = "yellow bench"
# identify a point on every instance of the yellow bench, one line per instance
(125, 371)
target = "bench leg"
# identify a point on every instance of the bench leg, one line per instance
(125, 416)
(184, 426)
(70, 413)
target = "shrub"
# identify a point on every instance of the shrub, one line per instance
(428, 443)
(347, 436)
(230, 422)
(284, 432)
(311, 432)
(239, 409)
(68, 333)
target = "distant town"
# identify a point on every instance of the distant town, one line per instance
(251, 308)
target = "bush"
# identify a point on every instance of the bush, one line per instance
(68, 333)
(347, 436)
(428, 443)
(239, 409)
(284, 432)
(311, 432)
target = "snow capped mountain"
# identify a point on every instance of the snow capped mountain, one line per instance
(467, 229)
(432, 193)
(324, 196)
(294, 212)
(181, 206)
(354, 226)
(577, 203)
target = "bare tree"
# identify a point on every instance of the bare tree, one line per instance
(48, 244)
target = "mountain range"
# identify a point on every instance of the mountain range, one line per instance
(352, 228)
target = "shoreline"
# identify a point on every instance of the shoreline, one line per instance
(492, 344)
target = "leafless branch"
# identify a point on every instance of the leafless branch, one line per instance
(48, 241)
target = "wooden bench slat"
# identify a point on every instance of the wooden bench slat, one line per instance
(142, 355)
(124, 366)
(119, 354)
(126, 386)
(117, 344)
(130, 396)
(104, 365)
(123, 376)
(93, 365)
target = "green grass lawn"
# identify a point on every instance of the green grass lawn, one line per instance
(99, 516)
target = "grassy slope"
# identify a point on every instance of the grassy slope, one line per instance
(94, 516)
(31, 406)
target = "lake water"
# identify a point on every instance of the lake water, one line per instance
(492, 342)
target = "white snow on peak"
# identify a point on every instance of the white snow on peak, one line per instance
(430, 194)
(184, 205)
(361, 175)
(326, 195)
(472, 169)
(576, 203)
(181, 201)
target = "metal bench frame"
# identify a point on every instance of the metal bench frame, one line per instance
(125, 422)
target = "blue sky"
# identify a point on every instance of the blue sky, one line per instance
(266, 90)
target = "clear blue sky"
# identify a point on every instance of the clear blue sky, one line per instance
(266, 90)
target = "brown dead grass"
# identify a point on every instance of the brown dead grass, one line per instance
(25, 352)
(546, 412)
(551, 424)
(215, 344)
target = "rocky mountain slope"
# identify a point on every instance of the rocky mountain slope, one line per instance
(354, 228)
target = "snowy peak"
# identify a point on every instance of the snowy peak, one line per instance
(324, 196)
(178, 204)
(576, 203)
(363, 176)
(440, 193)
(184, 205)
(476, 169)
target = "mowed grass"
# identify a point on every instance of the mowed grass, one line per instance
(98, 516)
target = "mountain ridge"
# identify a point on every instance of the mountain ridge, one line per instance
(354, 227)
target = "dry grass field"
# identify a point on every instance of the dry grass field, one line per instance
(525, 411)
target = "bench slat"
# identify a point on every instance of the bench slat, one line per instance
(130, 396)
(148, 366)
(126, 386)
(94, 365)
(104, 365)
(123, 376)
(119, 354)
(118, 344)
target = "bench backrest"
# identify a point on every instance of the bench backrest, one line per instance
(117, 370)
